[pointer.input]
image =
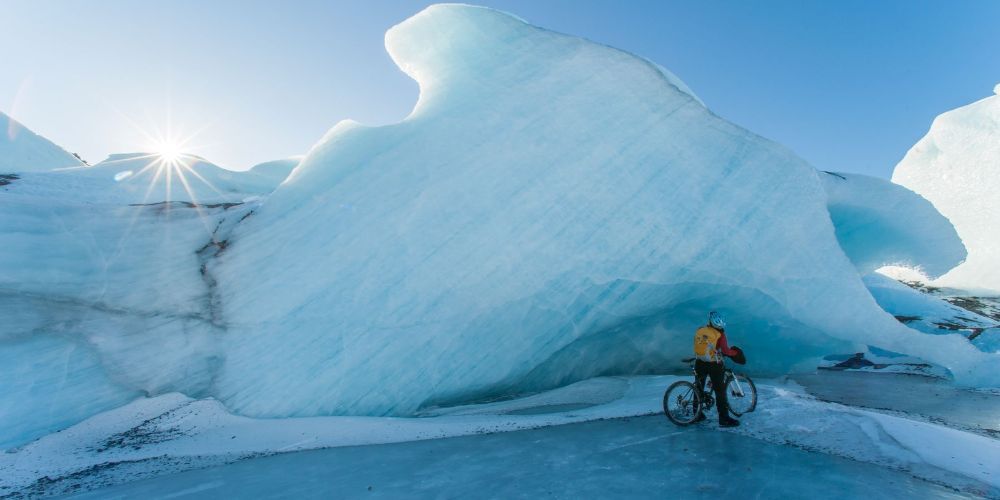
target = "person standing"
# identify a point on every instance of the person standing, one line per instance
(710, 345)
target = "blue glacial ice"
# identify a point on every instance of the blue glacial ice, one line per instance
(102, 287)
(878, 223)
(552, 210)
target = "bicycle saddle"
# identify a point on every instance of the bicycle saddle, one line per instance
(687, 360)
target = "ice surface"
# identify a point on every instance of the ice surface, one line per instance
(551, 210)
(21, 150)
(878, 223)
(635, 458)
(957, 167)
(170, 433)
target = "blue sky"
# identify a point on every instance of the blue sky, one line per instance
(849, 85)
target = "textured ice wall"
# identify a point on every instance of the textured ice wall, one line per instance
(21, 150)
(878, 223)
(103, 298)
(957, 167)
(552, 209)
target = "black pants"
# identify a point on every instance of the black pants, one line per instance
(717, 372)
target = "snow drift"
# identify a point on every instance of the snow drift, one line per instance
(957, 167)
(552, 209)
(21, 150)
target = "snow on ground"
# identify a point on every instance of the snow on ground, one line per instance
(957, 167)
(171, 433)
(641, 457)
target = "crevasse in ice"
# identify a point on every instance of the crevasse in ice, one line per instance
(957, 167)
(552, 209)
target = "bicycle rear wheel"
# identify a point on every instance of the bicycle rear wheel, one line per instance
(681, 403)
(741, 394)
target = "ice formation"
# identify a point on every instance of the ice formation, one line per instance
(553, 209)
(103, 288)
(21, 150)
(957, 167)
(878, 222)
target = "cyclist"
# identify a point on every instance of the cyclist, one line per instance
(710, 345)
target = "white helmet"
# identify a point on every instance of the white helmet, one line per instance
(715, 319)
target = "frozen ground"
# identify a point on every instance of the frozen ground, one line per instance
(143, 444)
(641, 457)
(930, 398)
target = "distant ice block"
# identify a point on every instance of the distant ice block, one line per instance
(957, 167)
(22, 150)
(552, 209)
(155, 178)
(276, 171)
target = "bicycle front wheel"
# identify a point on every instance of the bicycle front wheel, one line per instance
(741, 394)
(681, 403)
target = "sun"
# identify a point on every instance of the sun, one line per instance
(169, 152)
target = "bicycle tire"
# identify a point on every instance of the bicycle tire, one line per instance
(740, 405)
(688, 403)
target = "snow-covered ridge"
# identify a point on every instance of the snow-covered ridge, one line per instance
(22, 150)
(957, 167)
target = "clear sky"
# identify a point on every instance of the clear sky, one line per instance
(849, 84)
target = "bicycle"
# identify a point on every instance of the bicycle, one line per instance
(688, 402)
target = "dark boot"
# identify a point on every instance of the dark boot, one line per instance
(725, 420)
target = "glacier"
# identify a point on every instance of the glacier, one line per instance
(957, 167)
(552, 210)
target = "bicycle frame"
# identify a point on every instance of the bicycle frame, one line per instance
(727, 378)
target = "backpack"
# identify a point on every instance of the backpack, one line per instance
(705, 340)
